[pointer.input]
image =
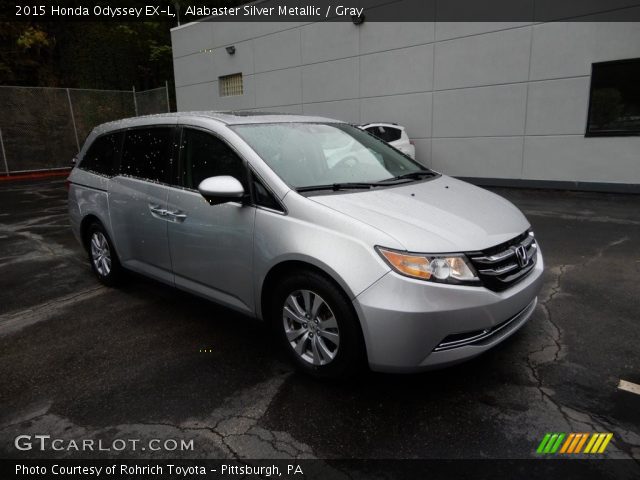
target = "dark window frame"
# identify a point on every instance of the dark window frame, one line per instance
(254, 197)
(610, 133)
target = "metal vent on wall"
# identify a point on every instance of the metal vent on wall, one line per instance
(230, 85)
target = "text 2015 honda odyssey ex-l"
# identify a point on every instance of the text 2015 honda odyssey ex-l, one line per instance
(351, 250)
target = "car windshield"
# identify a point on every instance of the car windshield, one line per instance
(305, 155)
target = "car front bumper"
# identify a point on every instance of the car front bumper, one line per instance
(412, 325)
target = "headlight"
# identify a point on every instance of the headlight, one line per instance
(451, 268)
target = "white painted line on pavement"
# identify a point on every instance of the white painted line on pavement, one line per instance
(16, 321)
(629, 387)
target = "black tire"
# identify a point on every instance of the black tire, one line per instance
(349, 354)
(113, 275)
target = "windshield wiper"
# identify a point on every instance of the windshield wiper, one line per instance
(367, 185)
(338, 186)
(417, 175)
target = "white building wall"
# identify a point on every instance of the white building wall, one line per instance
(493, 100)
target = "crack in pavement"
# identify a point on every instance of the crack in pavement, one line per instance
(574, 419)
(556, 334)
(231, 431)
(40, 247)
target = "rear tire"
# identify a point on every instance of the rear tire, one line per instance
(102, 255)
(317, 325)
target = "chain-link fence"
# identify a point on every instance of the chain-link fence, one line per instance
(148, 101)
(43, 128)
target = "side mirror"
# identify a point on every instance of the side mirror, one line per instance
(221, 189)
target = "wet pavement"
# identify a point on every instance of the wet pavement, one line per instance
(144, 361)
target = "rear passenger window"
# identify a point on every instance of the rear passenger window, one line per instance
(392, 134)
(103, 154)
(204, 156)
(147, 153)
(388, 134)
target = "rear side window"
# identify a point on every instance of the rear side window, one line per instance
(102, 155)
(388, 134)
(147, 153)
(204, 156)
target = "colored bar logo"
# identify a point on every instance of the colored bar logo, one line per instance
(573, 443)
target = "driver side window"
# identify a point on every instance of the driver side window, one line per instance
(203, 155)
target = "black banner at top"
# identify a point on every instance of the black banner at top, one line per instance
(356, 11)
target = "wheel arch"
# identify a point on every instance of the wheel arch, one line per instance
(285, 266)
(89, 219)
(86, 222)
(281, 268)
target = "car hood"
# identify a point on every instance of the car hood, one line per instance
(434, 216)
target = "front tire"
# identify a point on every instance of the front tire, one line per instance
(102, 256)
(317, 325)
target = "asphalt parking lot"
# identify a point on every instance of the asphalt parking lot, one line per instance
(78, 360)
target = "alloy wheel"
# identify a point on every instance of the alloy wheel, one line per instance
(100, 253)
(311, 327)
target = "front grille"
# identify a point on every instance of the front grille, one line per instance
(506, 264)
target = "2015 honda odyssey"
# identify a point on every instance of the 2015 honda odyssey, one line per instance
(352, 250)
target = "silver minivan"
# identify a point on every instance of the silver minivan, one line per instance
(354, 252)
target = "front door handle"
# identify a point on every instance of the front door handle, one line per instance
(177, 216)
(157, 210)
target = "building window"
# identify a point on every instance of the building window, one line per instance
(614, 99)
(230, 85)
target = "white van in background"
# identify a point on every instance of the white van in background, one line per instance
(394, 134)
